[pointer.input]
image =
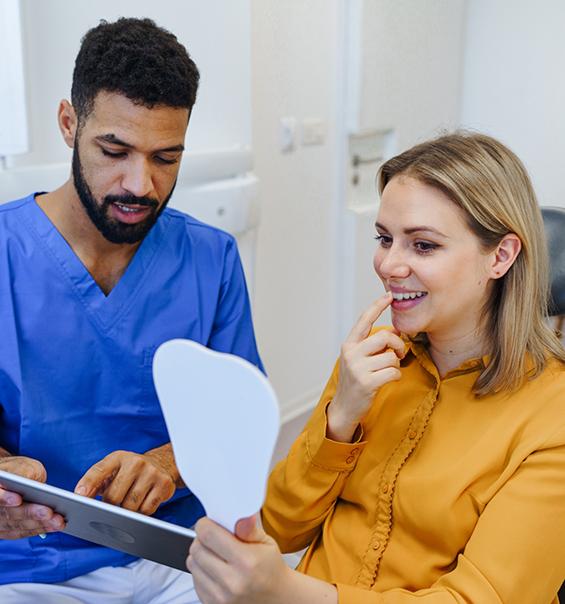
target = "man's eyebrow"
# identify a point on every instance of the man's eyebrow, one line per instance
(114, 140)
(412, 230)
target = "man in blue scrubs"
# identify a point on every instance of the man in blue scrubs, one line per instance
(94, 276)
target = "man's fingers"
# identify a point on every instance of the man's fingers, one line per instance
(96, 480)
(365, 322)
(130, 480)
(28, 520)
(19, 529)
(142, 497)
(9, 499)
(24, 466)
(139, 487)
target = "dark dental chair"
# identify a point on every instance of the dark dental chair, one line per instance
(554, 220)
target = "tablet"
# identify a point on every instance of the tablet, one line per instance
(106, 524)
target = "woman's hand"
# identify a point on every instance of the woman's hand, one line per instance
(248, 569)
(366, 364)
(226, 569)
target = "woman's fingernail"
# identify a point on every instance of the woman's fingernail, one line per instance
(42, 535)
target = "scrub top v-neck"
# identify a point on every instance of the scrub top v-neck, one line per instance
(105, 309)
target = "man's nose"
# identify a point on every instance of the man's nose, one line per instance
(138, 180)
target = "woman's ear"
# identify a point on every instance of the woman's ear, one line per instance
(67, 122)
(505, 255)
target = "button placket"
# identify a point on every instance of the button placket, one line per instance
(379, 540)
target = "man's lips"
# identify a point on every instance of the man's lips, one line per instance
(130, 213)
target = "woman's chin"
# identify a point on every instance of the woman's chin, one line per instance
(408, 328)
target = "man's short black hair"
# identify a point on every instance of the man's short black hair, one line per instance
(137, 59)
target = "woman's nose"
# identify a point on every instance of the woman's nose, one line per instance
(390, 263)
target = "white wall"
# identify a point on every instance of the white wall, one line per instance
(294, 75)
(514, 84)
(412, 61)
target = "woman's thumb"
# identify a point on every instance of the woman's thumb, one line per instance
(246, 527)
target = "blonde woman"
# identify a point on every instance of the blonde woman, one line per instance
(433, 469)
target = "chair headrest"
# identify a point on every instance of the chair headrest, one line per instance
(554, 220)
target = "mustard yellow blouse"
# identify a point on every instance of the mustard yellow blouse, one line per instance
(443, 498)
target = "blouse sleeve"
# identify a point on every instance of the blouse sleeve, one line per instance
(519, 537)
(304, 487)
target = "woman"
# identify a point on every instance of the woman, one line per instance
(433, 469)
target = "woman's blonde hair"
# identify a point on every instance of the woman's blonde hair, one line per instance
(490, 184)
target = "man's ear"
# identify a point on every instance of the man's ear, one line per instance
(67, 122)
(505, 255)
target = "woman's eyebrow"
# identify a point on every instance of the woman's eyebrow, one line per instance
(412, 230)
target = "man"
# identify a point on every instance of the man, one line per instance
(93, 278)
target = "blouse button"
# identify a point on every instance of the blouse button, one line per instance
(355, 451)
(376, 545)
(350, 459)
(412, 435)
(385, 488)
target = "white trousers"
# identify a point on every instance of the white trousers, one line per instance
(141, 582)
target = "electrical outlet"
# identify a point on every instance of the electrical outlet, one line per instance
(314, 131)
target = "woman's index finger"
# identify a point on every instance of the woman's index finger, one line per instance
(364, 324)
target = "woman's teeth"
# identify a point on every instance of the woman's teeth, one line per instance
(411, 295)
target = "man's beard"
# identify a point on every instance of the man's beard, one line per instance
(100, 214)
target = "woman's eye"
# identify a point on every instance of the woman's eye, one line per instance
(384, 240)
(425, 246)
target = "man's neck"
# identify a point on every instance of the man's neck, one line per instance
(105, 261)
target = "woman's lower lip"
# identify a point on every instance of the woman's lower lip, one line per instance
(129, 217)
(406, 304)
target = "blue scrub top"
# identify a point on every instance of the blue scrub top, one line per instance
(76, 366)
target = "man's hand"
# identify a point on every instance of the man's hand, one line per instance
(136, 482)
(17, 519)
(248, 569)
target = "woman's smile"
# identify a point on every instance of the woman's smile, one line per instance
(404, 300)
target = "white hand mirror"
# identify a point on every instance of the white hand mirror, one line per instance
(223, 420)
